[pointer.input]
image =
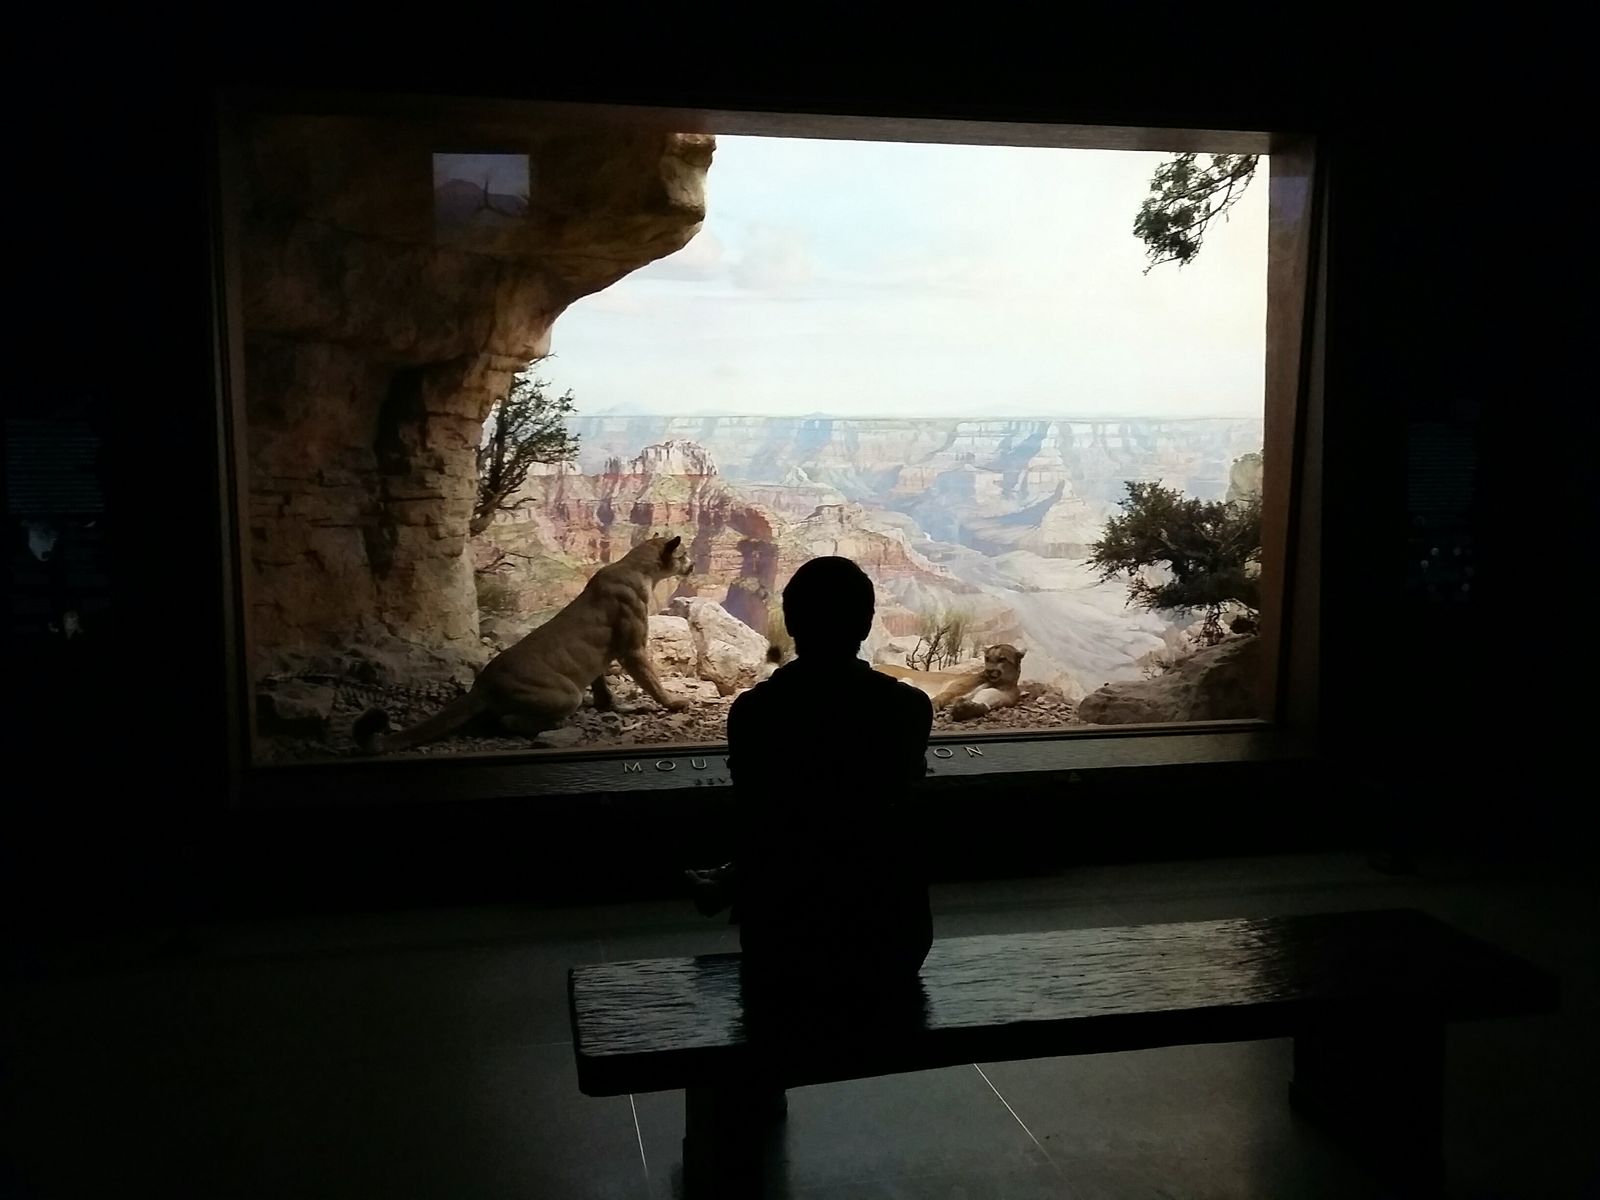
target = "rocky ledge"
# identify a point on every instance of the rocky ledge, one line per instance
(1219, 683)
(306, 709)
(637, 721)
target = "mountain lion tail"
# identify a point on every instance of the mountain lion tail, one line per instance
(371, 730)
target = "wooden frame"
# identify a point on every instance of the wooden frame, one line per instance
(232, 447)
(1291, 488)
(1291, 440)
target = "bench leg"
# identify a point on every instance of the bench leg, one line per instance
(727, 1132)
(1379, 1086)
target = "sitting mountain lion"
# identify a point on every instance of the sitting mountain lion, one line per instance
(969, 694)
(538, 683)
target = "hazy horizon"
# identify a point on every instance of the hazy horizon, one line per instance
(874, 280)
(1087, 418)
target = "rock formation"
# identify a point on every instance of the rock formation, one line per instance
(1044, 486)
(563, 523)
(884, 458)
(1220, 683)
(1245, 477)
(728, 653)
(673, 457)
(378, 330)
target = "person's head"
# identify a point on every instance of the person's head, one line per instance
(827, 607)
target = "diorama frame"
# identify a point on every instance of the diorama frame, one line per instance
(1291, 508)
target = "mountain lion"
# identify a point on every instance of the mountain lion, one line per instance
(538, 683)
(969, 694)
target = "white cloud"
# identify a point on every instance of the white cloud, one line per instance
(890, 278)
(776, 259)
(702, 258)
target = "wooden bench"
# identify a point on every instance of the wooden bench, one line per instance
(1365, 995)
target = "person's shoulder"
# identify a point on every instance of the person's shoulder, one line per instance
(760, 695)
(746, 701)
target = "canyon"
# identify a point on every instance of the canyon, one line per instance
(378, 323)
(992, 519)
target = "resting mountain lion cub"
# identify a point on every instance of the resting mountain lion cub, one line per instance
(538, 683)
(969, 694)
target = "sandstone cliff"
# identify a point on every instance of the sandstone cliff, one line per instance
(564, 523)
(375, 344)
(902, 456)
(1045, 486)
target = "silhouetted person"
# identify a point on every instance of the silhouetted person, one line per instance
(829, 883)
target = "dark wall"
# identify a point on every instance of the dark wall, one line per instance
(1435, 313)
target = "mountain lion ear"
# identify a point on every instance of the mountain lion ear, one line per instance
(1020, 654)
(671, 546)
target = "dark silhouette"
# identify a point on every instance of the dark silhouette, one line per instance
(829, 875)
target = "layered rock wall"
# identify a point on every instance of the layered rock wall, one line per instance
(902, 456)
(562, 523)
(376, 341)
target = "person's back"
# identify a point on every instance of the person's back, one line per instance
(823, 756)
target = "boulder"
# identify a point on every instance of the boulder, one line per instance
(724, 665)
(294, 707)
(709, 622)
(1216, 684)
(672, 648)
(728, 652)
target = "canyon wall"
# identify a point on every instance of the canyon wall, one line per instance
(1045, 486)
(380, 320)
(563, 523)
(881, 457)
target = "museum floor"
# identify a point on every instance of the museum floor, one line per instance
(425, 1054)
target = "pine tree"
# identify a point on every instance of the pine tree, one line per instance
(1211, 550)
(526, 426)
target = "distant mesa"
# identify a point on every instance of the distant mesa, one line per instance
(671, 457)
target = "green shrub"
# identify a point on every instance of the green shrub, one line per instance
(1210, 548)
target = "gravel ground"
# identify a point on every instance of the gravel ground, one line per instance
(637, 721)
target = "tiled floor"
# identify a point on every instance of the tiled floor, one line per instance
(425, 1054)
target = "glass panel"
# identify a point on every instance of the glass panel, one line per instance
(488, 356)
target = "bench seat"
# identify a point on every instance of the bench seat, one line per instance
(1365, 995)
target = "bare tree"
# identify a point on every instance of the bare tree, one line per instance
(486, 201)
(940, 637)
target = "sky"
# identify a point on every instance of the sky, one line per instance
(505, 174)
(905, 279)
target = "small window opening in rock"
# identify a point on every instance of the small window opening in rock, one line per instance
(475, 196)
